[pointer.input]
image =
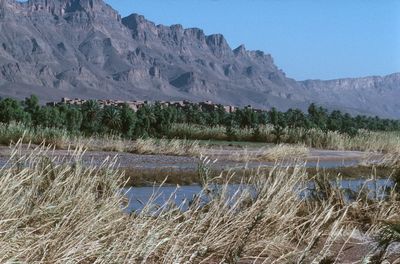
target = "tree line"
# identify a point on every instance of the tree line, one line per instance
(156, 120)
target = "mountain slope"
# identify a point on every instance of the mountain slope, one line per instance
(373, 95)
(83, 48)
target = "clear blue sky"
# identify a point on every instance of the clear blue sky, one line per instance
(322, 39)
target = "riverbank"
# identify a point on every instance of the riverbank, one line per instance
(149, 169)
(56, 208)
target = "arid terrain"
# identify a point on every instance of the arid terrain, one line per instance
(266, 228)
(150, 168)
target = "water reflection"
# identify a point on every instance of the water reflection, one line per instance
(182, 196)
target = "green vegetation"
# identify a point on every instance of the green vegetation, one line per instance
(292, 126)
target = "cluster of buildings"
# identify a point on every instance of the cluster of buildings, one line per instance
(136, 105)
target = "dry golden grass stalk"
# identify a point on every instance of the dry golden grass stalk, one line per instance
(140, 146)
(64, 211)
(167, 147)
(275, 153)
(390, 159)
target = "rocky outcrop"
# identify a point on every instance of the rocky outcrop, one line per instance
(375, 95)
(83, 48)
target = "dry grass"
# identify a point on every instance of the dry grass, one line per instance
(365, 140)
(283, 151)
(61, 139)
(382, 142)
(167, 147)
(178, 176)
(276, 153)
(388, 160)
(140, 146)
(13, 132)
(58, 211)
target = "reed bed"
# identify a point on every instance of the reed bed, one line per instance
(13, 132)
(141, 146)
(364, 140)
(167, 147)
(388, 160)
(275, 153)
(62, 139)
(386, 142)
(56, 210)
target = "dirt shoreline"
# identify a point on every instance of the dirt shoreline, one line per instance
(143, 170)
(323, 158)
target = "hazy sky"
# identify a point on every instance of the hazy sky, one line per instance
(322, 39)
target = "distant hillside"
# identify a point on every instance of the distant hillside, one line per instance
(83, 48)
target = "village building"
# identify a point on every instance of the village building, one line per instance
(136, 105)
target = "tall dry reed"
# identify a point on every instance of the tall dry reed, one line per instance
(365, 140)
(275, 153)
(57, 210)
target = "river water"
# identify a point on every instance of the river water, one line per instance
(182, 195)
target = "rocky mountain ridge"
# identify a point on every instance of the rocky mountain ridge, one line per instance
(83, 48)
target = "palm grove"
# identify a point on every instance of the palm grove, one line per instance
(157, 120)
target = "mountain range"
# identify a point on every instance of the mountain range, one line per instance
(85, 49)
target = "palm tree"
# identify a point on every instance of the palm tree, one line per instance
(92, 109)
(91, 116)
(112, 119)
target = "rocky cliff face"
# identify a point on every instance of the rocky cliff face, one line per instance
(375, 95)
(83, 48)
